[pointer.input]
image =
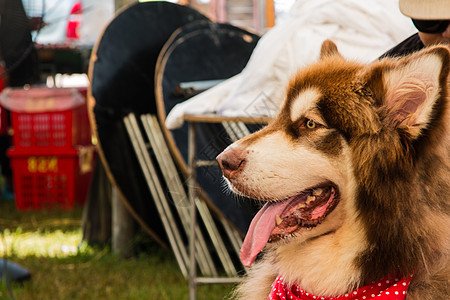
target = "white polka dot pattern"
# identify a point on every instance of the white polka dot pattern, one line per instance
(388, 288)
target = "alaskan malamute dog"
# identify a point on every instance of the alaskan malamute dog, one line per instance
(355, 176)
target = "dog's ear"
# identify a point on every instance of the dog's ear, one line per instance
(329, 48)
(415, 87)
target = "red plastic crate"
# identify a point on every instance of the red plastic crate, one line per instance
(44, 118)
(48, 181)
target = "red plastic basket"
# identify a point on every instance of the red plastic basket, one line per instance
(44, 118)
(44, 181)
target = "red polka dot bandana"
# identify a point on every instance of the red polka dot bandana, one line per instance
(388, 288)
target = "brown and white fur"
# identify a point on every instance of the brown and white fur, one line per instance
(380, 135)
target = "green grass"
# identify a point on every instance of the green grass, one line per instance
(49, 244)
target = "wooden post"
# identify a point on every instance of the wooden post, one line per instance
(122, 227)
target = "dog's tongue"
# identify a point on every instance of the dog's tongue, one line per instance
(259, 231)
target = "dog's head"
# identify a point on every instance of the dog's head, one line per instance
(344, 151)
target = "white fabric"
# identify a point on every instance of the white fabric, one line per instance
(362, 30)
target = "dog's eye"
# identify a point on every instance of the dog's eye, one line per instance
(310, 124)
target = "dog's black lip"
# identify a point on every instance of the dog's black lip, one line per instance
(321, 235)
(241, 191)
(308, 239)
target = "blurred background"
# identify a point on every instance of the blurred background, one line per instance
(57, 201)
(95, 189)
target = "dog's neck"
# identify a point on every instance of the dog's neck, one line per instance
(332, 274)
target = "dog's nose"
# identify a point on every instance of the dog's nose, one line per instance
(231, 160)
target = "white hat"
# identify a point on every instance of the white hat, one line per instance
(426, 9)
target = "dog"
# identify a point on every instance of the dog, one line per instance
(354, 175)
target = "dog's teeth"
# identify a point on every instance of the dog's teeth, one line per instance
(310, 199)
(309, 228)
(317, 191)
(278, 220)
(301, 205)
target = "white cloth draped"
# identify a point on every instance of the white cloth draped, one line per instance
(362, 30)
